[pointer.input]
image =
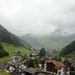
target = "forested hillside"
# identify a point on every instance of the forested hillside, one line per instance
(9, 43)
(55, 40)
(3, 53)
(69, 49)
(7, 37)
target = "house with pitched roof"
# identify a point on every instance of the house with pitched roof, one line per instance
(52, 65)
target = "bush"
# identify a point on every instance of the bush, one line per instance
(70, 48)
(42, 52)
(72, 73)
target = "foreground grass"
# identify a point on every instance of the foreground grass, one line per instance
(12, 50)
(4, 73)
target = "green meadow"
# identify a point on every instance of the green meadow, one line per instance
(4, 73)
(11, 49)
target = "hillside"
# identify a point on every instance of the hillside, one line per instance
(3, 53)
(9, 44)
(32, 40)
(7, 37)
(51, 41)
(11, 49)
(69, 50)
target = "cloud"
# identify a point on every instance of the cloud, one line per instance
(37, 16)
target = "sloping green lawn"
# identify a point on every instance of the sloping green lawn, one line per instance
(12, 50)
(4, 73)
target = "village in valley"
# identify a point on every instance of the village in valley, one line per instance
(17, 57)
(37, 37)
(37, 63)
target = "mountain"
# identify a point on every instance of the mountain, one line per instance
(55, 40)
(69, 49)
(8, 37)
(32, 40)
(9, 50)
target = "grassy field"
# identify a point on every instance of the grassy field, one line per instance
(12, 50)
(4, 73)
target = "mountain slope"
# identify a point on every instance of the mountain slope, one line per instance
(69, 49)
(3, 53)
(6, 36)
(11, 49)
(51, 41)
(32, 40)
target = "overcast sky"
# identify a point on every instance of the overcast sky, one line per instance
(40, 17)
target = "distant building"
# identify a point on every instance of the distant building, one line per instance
(35, 51)
(15, 60)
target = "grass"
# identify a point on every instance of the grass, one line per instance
(4, 73)
(12, 49)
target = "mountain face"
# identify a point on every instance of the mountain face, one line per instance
(7, 37)
(69, 49)
(51, 41)
(32, 40)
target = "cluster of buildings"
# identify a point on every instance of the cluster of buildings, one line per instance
(49, 66)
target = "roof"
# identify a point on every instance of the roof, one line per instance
(30, 70)
(58, 64)
(3, 66)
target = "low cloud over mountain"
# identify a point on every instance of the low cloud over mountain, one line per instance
(38, 17)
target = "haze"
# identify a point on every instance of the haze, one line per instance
(38, 17)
